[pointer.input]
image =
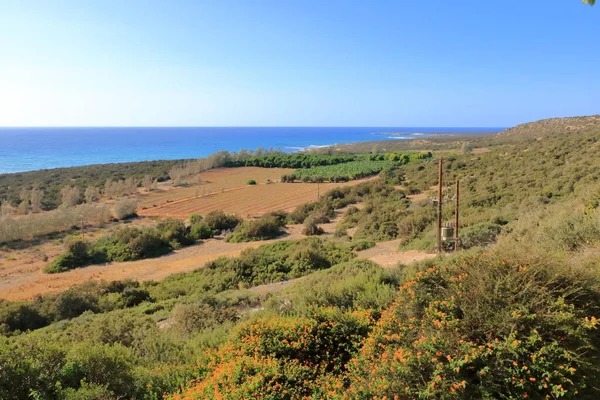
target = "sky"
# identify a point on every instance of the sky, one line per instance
(435, 63)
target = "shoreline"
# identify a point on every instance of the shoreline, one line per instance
(433, 137)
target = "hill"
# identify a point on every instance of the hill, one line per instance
(553, 126)
(514, 314)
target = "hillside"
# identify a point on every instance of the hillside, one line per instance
(514, 314)
(553, 127)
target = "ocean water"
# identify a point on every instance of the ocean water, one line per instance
(27, 149)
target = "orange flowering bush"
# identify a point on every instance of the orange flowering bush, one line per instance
(484, 327)
(284, 358)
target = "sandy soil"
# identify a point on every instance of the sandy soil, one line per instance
(22, 276)
(387, 255)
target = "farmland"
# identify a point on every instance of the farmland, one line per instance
(246, 201)
(212, 181)
(350, 170)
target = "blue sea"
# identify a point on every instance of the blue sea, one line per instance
(27, 149)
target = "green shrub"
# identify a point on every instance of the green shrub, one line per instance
(320, 217)
(251, 182)
(20, 317)
(201, 231)
(357, 284)
(485, 327)
(283, 357)
(264, 228)
(479, 235)
(312, 228)
(175, 232)
(108, 366)
(197, 316)
(219, 221)
(361, 245)
(75, 256)
(195, 219)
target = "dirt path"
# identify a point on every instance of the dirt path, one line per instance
(386, 254)
(28, 280)
(23, 278)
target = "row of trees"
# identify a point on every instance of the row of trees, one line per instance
(31, 200)
(62, 219)
(187, 173)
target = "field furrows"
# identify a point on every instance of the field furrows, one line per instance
(246, 201)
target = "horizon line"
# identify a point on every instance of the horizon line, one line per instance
(240, 126)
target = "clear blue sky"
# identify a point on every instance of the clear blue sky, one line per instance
(297, 62)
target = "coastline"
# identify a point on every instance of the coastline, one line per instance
(36, 149)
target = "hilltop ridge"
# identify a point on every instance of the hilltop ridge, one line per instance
(552, 126)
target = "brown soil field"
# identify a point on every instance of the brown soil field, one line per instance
(246, 201)
(212, 181)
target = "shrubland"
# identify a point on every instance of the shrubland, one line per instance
(516, 316)
(63, 219)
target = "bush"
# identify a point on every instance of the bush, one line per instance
(361, 245)
(479, 235)
(251, 182)
(319, 217)
(126, 244)
(303, 357)
(195, 219)
(201, 231)
(280, 215)
(175, 232)
(219, 221)
(125, 208)
(485, 327)
(267, 227)
(311, 228)
(75, 256)
(197, 316)
(20, 317)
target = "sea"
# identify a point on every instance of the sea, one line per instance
(28, 149)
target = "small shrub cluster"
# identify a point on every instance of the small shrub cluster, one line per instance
(484, 327)
(96, 297)
(125, 244)
(267, 227)
(303, 357)
(218, 221)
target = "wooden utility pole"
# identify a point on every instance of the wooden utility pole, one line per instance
(439, 208)
(456, 216)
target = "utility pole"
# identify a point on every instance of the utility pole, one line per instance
(456, 246)
(439, 207)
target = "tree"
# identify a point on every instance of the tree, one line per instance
(148, 183)
(35, 197)
(590, 2)
(92, 194)
(70, 196)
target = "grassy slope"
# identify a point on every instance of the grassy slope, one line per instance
(520, 186)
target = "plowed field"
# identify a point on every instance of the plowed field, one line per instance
(212, 181)
(246, 201)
